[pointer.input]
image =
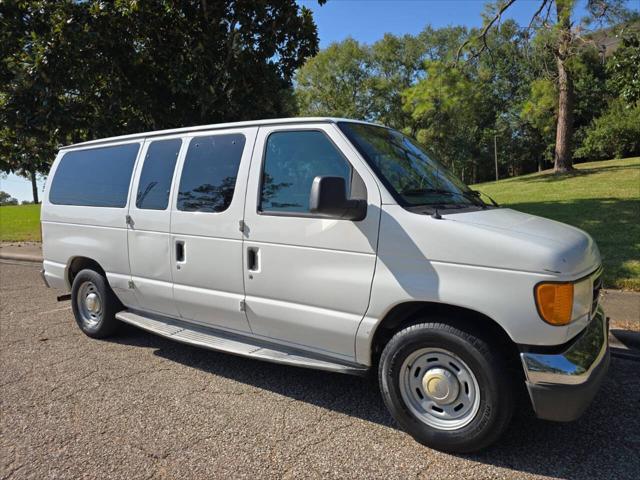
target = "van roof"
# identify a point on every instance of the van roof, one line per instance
(215, 126)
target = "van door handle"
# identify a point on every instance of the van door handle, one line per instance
(180, 252)
(253, 259)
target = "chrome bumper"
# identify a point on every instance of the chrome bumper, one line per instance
(562, 385)
(575, 364)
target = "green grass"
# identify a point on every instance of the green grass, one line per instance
(20, 223)
(602, 198)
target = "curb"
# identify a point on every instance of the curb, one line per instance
(21, 257)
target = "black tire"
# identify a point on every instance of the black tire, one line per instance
(496, 397)
(102, 323)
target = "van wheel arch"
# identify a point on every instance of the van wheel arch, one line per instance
(77, 264)
(406, 314)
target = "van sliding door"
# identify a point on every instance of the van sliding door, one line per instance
(206, 241)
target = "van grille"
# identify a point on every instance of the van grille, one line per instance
(597, 286)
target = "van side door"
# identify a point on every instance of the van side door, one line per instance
(149, 223)
(307, 278)
(206, 242)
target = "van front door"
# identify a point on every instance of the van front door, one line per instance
(148, 226)
(307, 279)
(206, 242)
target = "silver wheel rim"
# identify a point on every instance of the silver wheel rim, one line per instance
(89, 304)
(439, 388)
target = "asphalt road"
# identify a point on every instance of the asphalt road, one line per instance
(139, 406)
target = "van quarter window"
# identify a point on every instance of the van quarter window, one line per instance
(96, 177)
(292, 160)
(209, 173)
(155, 180)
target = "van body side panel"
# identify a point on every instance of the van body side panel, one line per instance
(312, 280)
(424, 259)
(150, 242)
(98, 233)
(208, 283)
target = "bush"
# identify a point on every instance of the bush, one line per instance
(615, 134)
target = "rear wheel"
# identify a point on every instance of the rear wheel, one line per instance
(446, 387)
(94, 304)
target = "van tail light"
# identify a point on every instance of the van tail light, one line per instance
(555, 302)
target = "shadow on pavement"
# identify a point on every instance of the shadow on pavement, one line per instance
(610, 428)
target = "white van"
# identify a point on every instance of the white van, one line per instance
(338, 245)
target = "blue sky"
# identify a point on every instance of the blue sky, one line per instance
(367, 21)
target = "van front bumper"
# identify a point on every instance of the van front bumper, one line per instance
(562, 384)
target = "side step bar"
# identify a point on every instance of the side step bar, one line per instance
(221, 341)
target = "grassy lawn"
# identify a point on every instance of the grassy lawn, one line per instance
(20, 223)
(602, 198)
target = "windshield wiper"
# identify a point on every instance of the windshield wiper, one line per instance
(475, 200)
(477, 194)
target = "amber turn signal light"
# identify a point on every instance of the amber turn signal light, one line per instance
(555, 302)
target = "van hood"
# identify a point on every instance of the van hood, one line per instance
(560, 248)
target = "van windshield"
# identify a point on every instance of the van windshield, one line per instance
(408, 172)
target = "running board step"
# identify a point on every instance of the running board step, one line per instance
(221, 341)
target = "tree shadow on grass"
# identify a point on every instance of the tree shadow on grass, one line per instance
(603, 443)
(613, 223)
(554, 177)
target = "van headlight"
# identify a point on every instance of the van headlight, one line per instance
(561, 303)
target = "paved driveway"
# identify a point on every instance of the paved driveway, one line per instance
(140, 406)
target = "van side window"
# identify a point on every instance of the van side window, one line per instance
(209, 173)
(157, 172)
(95, 177)
(292, 160)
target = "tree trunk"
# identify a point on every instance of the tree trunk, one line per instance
(34, 186)
(564, 129)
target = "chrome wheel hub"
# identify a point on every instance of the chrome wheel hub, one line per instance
(92, 301)
(441, 385)
(439, 388)
(89, 304)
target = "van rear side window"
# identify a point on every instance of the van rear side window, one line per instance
(96, 177)
(209, 173)
(157, 172)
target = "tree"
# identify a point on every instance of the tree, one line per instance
(614, 134)
(336, 82)
(623, 69)
(396, 63)
(71, 71)
(564, 39)
(349, 79)
(6, 199)
(447, 107)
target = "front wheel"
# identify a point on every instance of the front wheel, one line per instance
(446, 387)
